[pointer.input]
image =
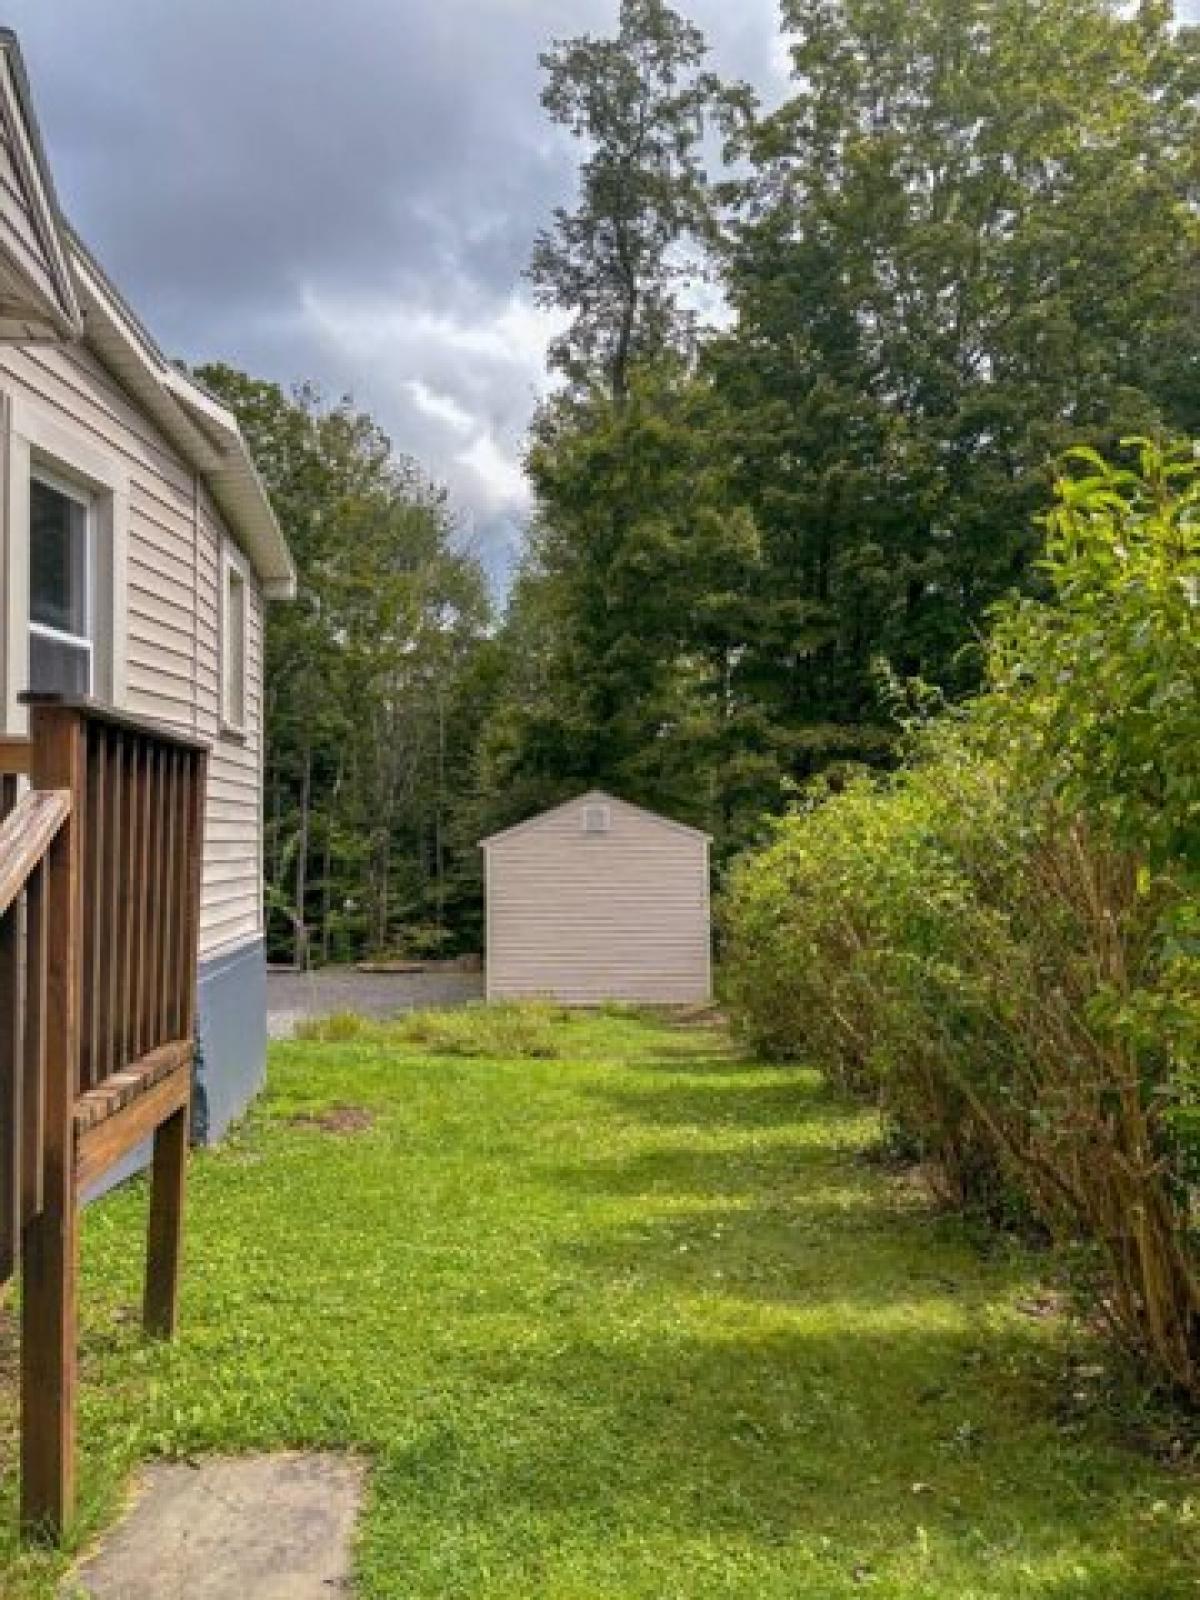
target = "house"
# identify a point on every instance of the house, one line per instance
(137, 553)
(599, 900)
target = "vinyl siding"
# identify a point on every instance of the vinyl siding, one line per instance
(585, 918)
(172, 608)
(19, 235)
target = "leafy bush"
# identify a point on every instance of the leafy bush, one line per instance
(1002, 941)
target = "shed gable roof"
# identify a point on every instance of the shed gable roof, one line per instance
(593, 797)
(37, 290)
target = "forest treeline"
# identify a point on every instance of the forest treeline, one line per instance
(817, 362)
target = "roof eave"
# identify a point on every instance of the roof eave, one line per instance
(204, 431)
(43, 318)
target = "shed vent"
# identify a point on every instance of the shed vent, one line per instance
(596, 819)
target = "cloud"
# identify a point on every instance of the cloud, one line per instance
(443, 408)
(345, 192)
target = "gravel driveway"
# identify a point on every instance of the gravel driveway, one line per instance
(294, 997)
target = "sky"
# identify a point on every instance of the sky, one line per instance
(343, 191)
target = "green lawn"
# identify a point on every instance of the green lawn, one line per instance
(642, 1320)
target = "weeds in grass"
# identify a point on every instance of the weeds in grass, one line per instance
(525, 1030)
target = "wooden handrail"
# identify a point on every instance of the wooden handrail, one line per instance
(97, 714)
(16, 757)
(26, 835)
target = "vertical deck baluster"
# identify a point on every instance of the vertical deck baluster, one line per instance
(37, 957)
(197, 786)
(154, 865)
(185, 976)
(11, 1028)
(92, 845)
(127, 901)
(174, 849)
(108, 910)
(10, 1088)
(141, 872)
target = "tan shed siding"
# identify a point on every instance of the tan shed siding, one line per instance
(172, 661)
(591, 917)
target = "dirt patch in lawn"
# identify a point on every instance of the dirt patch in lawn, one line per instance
(337, 1120)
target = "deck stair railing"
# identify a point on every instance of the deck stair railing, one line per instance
(101, 842)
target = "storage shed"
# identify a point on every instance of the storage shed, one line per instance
(599, 900)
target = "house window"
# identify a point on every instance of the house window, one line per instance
(60, 589)
(233, 657)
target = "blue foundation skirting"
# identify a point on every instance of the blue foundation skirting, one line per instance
(231, 1066)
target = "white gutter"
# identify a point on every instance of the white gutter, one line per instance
(205, 432)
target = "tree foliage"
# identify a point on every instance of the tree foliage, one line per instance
(639, 101)
(967, 239)
(371, 706)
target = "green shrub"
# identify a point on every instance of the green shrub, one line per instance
(1001, 941)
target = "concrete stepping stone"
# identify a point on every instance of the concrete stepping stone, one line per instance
(271, 1527)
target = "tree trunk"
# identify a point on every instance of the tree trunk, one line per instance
(300, 956)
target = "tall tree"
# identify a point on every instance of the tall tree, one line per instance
(621, 628)
(628, 611)
(639, 102)
(967, 240)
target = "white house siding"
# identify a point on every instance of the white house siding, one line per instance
(168, 664)
(583, 917)
(232, 906)
(18, 231)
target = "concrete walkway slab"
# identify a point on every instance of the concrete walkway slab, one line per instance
(276, 1527)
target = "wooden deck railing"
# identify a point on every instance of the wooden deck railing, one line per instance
(27, 835)
(100, 863)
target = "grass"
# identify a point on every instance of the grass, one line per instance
(639, 1321)
(527, 1031)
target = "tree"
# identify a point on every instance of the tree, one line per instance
(621, 628)
(369, 734)
(625, 616)
(968, 240)
(639, 101)
(965, 242)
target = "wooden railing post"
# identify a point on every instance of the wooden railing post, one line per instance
(50, 1241)
(11, 1037)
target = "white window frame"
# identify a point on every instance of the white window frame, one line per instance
(234, 575)
(81, 497)
(43, 443)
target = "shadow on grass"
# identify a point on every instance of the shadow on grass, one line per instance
(860, 1449)
(712, 1092)
(814, 1358)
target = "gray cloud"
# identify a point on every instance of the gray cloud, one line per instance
(345, 192)
(340, 192)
